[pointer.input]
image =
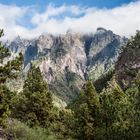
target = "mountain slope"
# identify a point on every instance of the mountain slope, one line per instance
(128, 63)
(66, 61)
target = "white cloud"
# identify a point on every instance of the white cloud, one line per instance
(52, 12)
(122, 20)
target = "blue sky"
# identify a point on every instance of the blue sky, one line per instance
(90, 3)
(31, 18)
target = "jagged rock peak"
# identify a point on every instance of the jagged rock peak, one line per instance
(82, 54)
(17, 39)
(101, 30)
(70, 31)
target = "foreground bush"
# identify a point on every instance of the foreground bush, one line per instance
(17, 130)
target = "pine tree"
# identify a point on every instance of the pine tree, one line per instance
(87, 112)
(134, 92)
(35, 104)
(7, 70)
(116, 109)
(5, 100)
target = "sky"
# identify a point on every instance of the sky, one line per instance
(31, 18)
(90, 3)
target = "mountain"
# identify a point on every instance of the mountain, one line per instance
(128, 63)
(66, 61)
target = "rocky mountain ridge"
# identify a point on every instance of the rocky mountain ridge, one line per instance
(66, 61)
(128, 64)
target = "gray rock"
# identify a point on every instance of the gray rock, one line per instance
(69, 59)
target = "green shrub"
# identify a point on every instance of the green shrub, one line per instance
(20, 131)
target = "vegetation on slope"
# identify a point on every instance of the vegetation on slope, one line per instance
(128, 64)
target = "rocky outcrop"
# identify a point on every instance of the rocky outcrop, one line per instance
(66, 61)
(128, 63)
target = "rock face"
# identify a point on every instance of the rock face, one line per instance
(128, 64)
(66, 61)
